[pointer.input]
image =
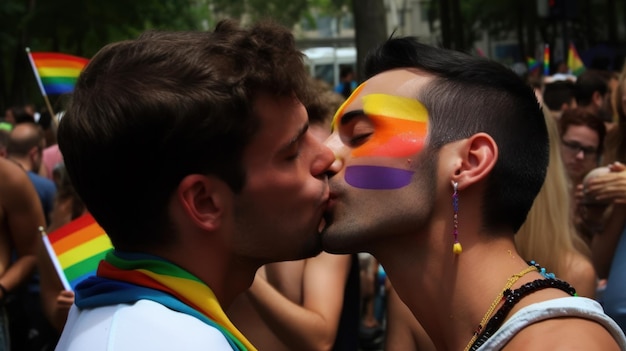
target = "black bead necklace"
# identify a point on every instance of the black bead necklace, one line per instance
(511, 298)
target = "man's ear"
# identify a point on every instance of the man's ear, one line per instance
(202, 199)
(33, 152)
(597, 99)
(478, 154)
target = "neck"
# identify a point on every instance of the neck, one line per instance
(450, 294)
(22, 162)
(226, 277)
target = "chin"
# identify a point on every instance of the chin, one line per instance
(311, 248)
(336, 243)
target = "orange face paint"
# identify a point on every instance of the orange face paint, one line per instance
(399, 129)
(400, 123)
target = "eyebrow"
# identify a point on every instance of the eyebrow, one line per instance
(296, 138)
(349, 116)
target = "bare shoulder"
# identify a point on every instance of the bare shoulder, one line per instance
(14, 181)
(11, 174)
(564, 334)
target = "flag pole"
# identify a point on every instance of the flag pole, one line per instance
(54, 259)
(43, 91)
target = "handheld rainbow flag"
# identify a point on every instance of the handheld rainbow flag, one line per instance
(56, 73)
(532, 64)
(574, 63)
(546, 60)
(76, 249)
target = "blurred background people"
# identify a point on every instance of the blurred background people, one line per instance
(548, 235)
(559, 96)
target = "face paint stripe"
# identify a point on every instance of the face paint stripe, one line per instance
(394, 138)
(395, 107)
(346, 103)
(377, 178)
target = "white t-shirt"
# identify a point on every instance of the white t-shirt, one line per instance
(562, 307)
(143, 325)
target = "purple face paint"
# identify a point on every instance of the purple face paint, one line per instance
(377, 177)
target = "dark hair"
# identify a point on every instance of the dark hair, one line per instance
(146, 113)
(589, 82)
(558, 93)
(21, 115)
(582, 116)
(472, 94)
(345, 70)
(45, 120)
(66, 191)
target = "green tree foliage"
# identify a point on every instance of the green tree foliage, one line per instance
(82, 27)
(286, 12)
(79, 27)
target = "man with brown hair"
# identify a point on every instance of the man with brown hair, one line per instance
(310, 304)
(240, 183)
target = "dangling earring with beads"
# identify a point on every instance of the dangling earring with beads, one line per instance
(456, 248)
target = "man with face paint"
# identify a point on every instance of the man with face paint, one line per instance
(439, 156)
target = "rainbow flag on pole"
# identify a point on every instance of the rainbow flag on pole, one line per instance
(56, 73)
(546, 60)
(76, 249)
(574, 63)
(532, 64)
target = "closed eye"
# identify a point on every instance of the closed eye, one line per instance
(360, 139)
(356, 128)
(292, 149)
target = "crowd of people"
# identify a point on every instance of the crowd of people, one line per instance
(442, 204)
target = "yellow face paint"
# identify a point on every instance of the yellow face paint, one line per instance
(393, 106)
(348, 101)
(400, 124)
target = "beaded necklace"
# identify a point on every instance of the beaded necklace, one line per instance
(497, 300)
(513, 297)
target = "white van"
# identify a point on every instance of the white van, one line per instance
(325, 62)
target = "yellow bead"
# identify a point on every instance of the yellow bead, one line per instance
(457, 249)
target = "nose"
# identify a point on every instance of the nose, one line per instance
(580, 155)
(339, 153)
(323, 160)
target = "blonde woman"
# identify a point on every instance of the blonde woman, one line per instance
(548, 236)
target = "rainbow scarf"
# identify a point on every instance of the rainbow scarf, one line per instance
(128, 277)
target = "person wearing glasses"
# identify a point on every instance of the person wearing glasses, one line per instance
(582, 138)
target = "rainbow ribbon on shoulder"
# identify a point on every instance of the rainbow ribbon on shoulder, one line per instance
(128, 277)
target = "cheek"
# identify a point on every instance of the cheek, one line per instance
(394, 138)
(377, 177)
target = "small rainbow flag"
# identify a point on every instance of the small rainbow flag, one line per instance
(56, 73)
(574, 63)
(76, 249)
(546, 60)
(532, 64)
